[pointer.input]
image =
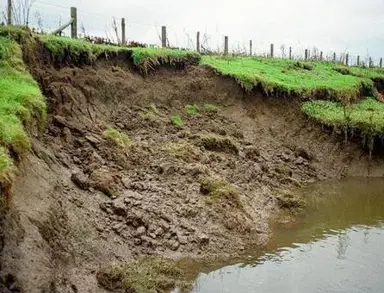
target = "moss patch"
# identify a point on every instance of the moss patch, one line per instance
(120, 139)
(177, 121)
(210, 108)
(192, 109)
(218, 189)
(182, 150)
(148, 274)
(289, 200)
(217, 143)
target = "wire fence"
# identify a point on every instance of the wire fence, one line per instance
(46, 16)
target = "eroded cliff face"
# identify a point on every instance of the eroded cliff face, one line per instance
(207, 187)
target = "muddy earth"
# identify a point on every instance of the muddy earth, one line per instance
(82, 200)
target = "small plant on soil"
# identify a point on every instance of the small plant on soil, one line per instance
(120, 139)
(148, 274)
(219, 189)
(289, 200)
(210, 108)
(216, 143)
(182, 150)
(192, 109)
(151, 113)
(177, 121)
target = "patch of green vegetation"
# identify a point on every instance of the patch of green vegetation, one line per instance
(210, 108)
(149, 58)
(16, 33)
(177, 121)
(289, 200)
(366, 115)
(182, 150)
(192, 109)
(20, 102)
(288, 77)
(217, 143)
(148, 274)
(151, 113)
(120, 139)
(219, 189)
(365, 72)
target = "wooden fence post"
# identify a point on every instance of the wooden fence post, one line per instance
(381, 62)
(306, 54)
(9, 12)
(123, 31)
(198, 42)
(321, 55)
(290, 53)
(226, 45)
(334, 57)
(358, 60)
(272, 51)
(164, 36)
(74, 22)
(347, 59)
(370, 62)
(250, 48)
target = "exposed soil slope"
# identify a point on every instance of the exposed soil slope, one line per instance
(82, 201)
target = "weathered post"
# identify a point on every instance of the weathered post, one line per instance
(9, 12)
(306, 55)
(358, 60)
(74, 22)
(370, 62)
(290, 53)
(226, 45)
(272, 51)
(381, 62)
(123, 40)
(334, 57)
(321, 56)
(198, 42)
(164, 36)
(250, 48)
(347, 59)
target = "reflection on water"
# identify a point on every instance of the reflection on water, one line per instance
(337, 245)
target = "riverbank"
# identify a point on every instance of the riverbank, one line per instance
(180, 162)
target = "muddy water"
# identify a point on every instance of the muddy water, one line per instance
(336, 245)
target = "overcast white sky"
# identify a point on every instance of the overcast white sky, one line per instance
(355, 26)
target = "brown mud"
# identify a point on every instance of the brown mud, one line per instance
(81, 201)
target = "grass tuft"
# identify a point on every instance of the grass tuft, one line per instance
(120, 139)
(148, 274)
(217, 143)
(177, 121)
(219, 189)
(210, 108)
(192, 109)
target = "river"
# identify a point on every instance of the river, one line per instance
(335, 245)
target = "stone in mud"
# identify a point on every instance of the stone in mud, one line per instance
(137, 241)
(159, 231)
(300, 152)
(80, 179)
(203, 239)
(119, 208)
(173, 245)
(126, 182)
(68, 138)
(141, 231)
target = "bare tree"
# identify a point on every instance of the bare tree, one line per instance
(282, 48)
(39, 21)
(115, 29)
(21, 11)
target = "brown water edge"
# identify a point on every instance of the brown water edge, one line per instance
(333, 207)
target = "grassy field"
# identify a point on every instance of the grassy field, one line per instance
(366, 115)
(20, 101)
(291, 78)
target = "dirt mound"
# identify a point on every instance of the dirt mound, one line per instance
(113, 178)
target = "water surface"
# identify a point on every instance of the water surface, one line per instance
(336, 245)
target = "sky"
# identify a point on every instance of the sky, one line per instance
(352, 26)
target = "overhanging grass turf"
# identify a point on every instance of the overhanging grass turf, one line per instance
(20, 101)
(366, 115)
(289, 77)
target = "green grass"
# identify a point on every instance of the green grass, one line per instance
(291, 78)
(192, 109)
(210, 108)
(20, 102)
(177, 121)
(120, 139)
(219, 189)
(66, 49)
(366, 115)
